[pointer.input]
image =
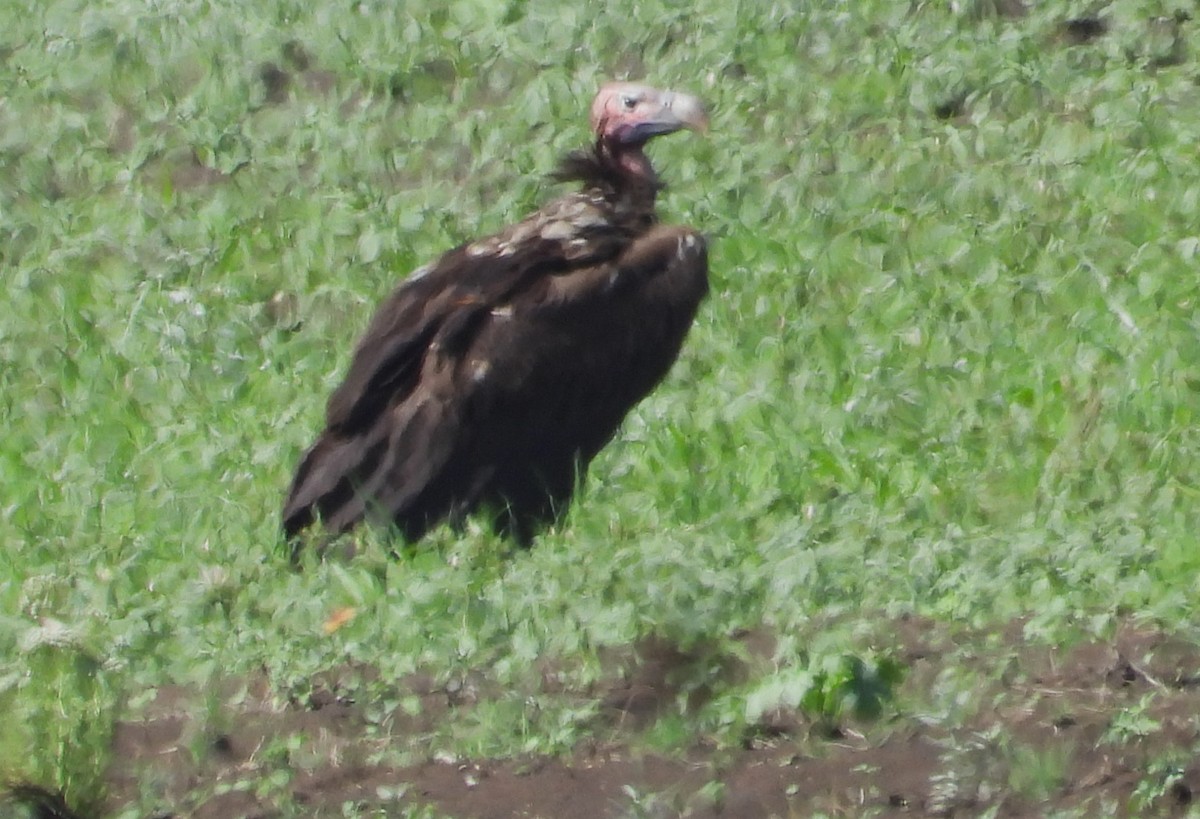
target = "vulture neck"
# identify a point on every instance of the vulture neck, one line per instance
(621, 174)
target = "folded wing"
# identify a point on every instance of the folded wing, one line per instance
(492, 380)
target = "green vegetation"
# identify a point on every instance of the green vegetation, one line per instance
(950, 368)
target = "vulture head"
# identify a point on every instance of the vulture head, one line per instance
(626, 115)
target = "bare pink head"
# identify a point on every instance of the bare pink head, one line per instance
(625, 115)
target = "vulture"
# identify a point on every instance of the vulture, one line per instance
(489, 379)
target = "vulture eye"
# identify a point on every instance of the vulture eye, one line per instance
(629, 102)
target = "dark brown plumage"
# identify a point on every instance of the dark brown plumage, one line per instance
(492, 377)
(35, 802)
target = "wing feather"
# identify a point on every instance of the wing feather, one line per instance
(495, 375)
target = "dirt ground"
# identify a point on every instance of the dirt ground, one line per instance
(1069, 729)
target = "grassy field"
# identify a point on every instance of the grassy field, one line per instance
(936, 424)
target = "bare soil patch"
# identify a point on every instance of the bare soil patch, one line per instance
(1102, 728)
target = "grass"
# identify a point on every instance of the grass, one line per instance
(950, 366)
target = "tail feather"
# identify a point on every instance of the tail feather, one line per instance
(320, 484)
(395, 472)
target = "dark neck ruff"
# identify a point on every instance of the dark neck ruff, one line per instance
(597, 169)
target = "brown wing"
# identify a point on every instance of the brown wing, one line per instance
(491, 377)
(571, 233)
(575, 356)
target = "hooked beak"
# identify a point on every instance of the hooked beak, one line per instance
(676, 111)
